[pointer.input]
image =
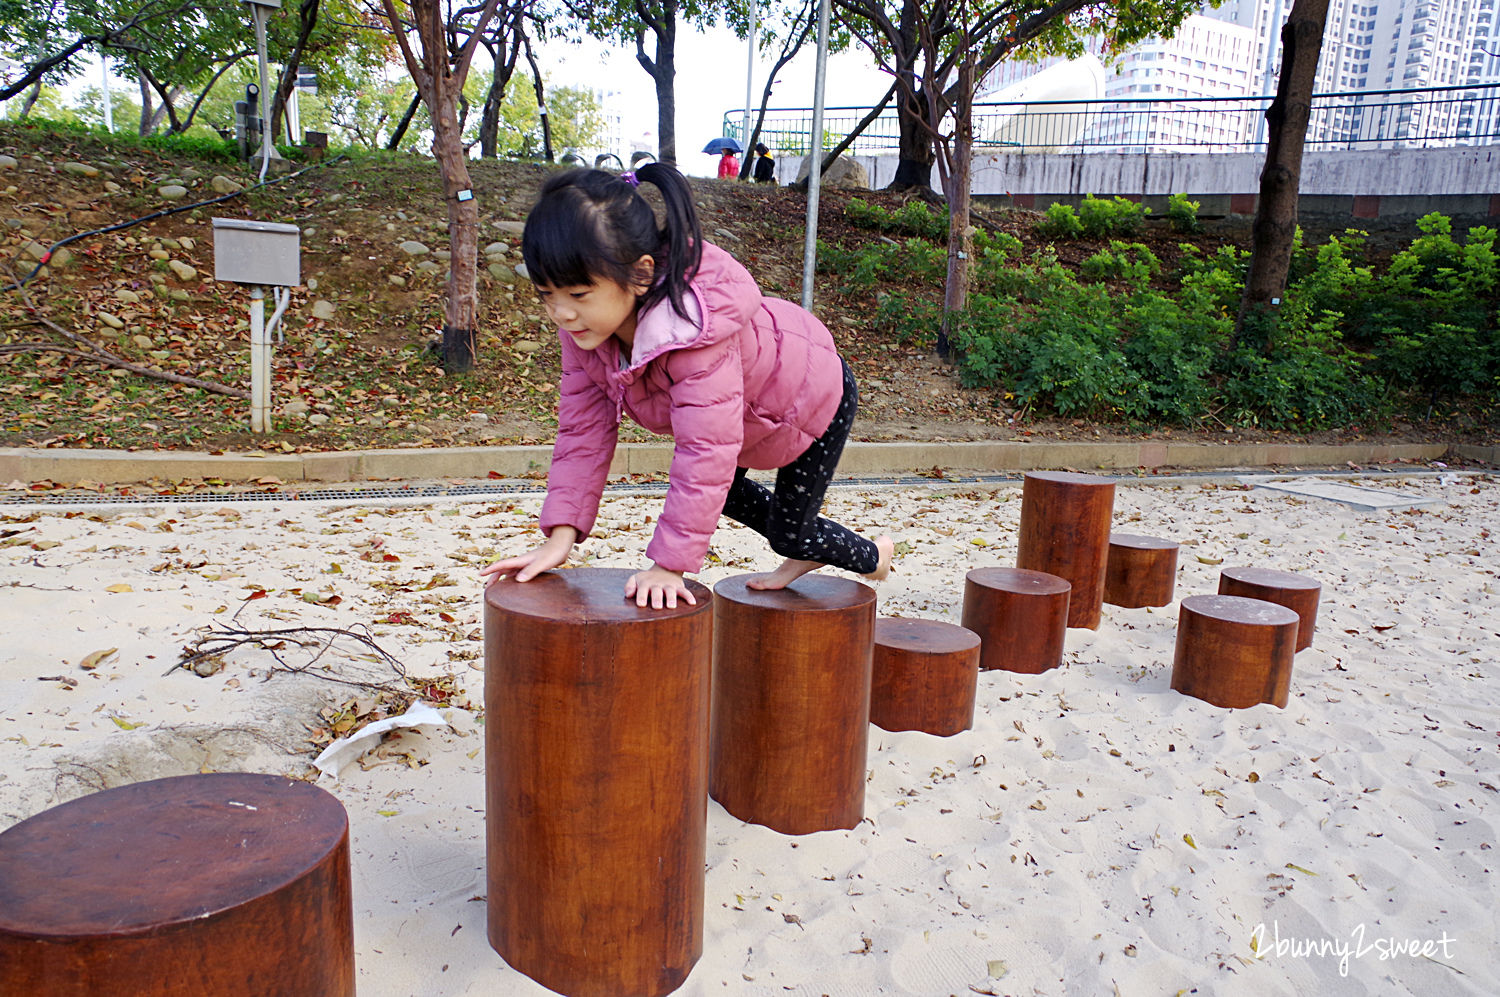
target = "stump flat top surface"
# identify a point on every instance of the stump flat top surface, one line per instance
(934, 636)
(1069, 478)
(155, 853)
(1022, 580)
(584, 595)
(1238, 609)
(811, 593)
(1271, 578)
(1141, 542)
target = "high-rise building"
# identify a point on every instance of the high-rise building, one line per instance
(1369, 46)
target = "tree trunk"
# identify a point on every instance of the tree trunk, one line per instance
(148, 113)
(1275, 227)
(663, 70)
(405, 122)
(461, 311)
(31, 99)
(308, 15)
(915, 152)
(960, 237)
(541, 102)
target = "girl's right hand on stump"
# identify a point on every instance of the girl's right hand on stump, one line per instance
(532, 563)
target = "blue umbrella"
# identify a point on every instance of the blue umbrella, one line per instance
(718, 145)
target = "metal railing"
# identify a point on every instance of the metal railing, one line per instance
(1372, 119)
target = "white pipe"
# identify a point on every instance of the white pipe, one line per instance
(258, 14)
(749, 84)
(815, 162)
(260, 363)
(109, 110)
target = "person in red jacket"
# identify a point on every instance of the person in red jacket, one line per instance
(729, 166)
(659, 325)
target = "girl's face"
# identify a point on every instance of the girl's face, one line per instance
(592, 313)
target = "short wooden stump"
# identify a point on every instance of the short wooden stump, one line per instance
(1065, 532)
(1298, 593)
(596, 772)
(223, 883)
(791, 702)
(925, 676)
(1021, 618)
(1234, 652)
(1140, 571)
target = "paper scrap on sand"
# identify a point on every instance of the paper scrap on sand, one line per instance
(1364, 499)
(346, 749)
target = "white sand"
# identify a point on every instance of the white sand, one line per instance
(1045, 851)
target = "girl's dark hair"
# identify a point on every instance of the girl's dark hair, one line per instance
(761, 150)
(590, 224)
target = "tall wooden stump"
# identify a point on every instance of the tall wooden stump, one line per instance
(224, 884)
(1141, 571)
(596, 733)
(1021, 618)
(1298, 593)
(925, 674)
(1234, 652)
(1065, 532)
(791, 702)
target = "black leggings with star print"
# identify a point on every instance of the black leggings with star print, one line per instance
(788, 517)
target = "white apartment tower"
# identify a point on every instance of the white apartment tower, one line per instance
(1369, 46)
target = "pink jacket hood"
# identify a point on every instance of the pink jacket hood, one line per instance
(743, 381)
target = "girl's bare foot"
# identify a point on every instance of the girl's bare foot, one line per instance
(790, 570)
(887, 548)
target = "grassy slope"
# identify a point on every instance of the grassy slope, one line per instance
(363, 373)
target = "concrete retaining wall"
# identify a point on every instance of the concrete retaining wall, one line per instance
(104, 467)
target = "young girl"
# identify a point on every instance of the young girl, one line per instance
(660, 325)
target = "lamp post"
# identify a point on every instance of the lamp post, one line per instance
(259, 11)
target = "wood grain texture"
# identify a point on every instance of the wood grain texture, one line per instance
(791, 702)
(596, 729)
(1234, 652)
(1299, 593)
(1140, 571)
(924, 676)
(222, 883)
(1064, 531)
(1021, 617)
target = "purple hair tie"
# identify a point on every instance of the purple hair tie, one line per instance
(630, 178)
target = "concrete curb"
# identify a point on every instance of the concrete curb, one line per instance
(118, 467)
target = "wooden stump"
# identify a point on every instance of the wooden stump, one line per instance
(1234, 652)
(596, 732)
(1298, 593)
(224, 884)
(1021, 618)
(1141, 571)
(1065, 532)
(791, 702)
(925, 674)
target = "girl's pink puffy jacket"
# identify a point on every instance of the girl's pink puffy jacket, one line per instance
(751, 382)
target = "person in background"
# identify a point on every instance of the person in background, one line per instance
(729, 165)
(666, 328)
(765, 166)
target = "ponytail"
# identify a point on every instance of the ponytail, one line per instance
(681, 237)
(591, 224)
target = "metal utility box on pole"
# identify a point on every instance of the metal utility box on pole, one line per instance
(259, 254)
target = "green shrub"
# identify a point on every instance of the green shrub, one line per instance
(1183, 214)
(1131, 262)
(1060, 222)
(913, 218)
(1115, 217)
(912, 319)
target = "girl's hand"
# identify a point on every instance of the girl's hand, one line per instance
(659, 588)
(532, 563)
